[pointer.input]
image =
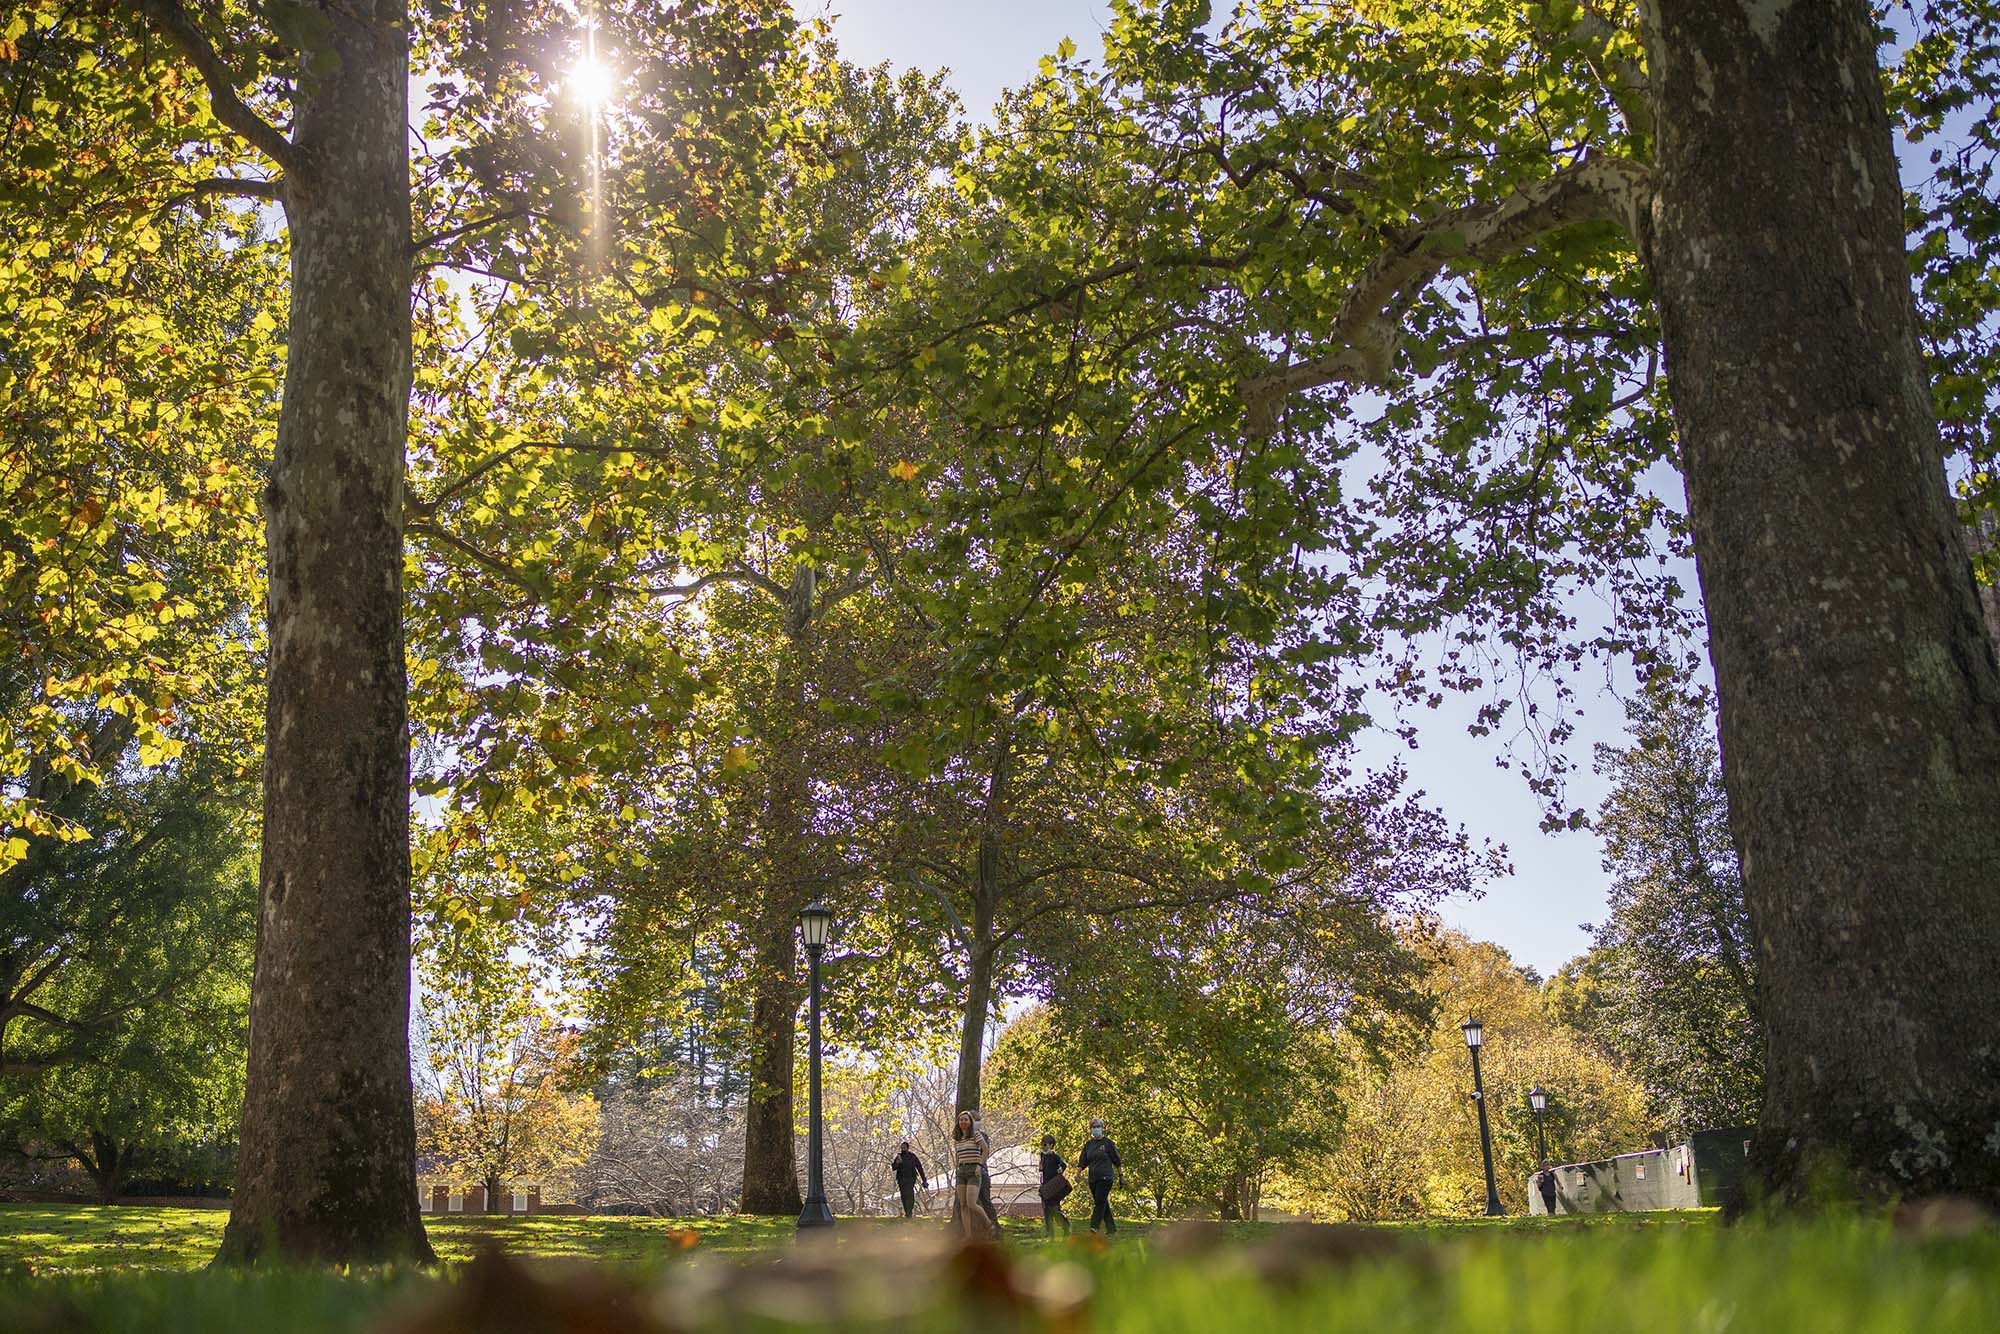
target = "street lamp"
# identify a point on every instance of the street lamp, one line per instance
(814, 921)
(1474, 1032)
(1538, 1101)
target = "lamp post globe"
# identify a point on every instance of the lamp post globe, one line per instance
(1475, 1036)
(815, 921)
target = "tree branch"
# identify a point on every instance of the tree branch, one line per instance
(1623, 79)
(684, 592)
(944, 902)
(1367, 332)
(475, 555)
(229, 107)
(449, 234)
(418, 510)
(234, 187)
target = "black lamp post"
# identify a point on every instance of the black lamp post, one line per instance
(1538, 1101)
(1474, 1031)
(814, 921)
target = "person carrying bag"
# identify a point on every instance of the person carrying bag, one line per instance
(1055, 1187)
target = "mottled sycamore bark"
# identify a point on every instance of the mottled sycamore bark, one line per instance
(327, 1169)
(770, 1163)
(1860, 697)
(770, 1159)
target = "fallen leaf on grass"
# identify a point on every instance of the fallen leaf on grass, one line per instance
(1942, 1216)
(500, 1295)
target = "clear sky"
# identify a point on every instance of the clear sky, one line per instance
(1558, 883)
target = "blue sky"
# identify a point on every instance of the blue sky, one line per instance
(1558, 883)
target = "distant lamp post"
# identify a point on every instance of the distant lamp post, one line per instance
(814, 921)
(1538, 1102)
(1474, 1033)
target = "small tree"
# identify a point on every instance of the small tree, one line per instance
(497, 1078)
(1410, 1143)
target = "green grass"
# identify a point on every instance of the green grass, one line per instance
(76, 1269)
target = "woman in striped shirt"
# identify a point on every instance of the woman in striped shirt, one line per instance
(969, 1152)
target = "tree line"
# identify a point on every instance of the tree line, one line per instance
(760, 485)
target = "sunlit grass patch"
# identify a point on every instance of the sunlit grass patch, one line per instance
(1650, 1275)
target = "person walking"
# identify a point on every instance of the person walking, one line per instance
(909, 1169)
(1547, 1186)
(1055, 1186)
(968, 1151)
(1100, 1165)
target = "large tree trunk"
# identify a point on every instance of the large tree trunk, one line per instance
(329, 1138)
(770, 1165)
(987, 890)
(770, 1158)
(978, 1003)
(105, 1162)
(1860, 697)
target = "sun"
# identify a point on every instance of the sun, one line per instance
(591, 82)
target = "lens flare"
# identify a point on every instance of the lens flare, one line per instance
(591, 82)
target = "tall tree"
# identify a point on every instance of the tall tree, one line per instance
(1514, 293)
(1860, 694)
(328, 1135)
(1678, 998)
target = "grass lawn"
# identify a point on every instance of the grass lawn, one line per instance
(78, 1269)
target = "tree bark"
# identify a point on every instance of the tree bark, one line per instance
(770, 1156)
(1860, 696)
(105, 1162)
(327, 1170)
(978, 1003)
(988, 887)
(1982, 538)
(770, 1163)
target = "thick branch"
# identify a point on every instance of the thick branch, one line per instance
(450, 234)
(944, 901)
(235, 187)
(689, 589)
(417, 510)
(476, 556)
(229, 107)
(1367, 332)
(1623, 79)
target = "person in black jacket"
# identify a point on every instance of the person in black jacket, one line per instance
(909, 1169)
(1099, 1163)
(1052, 1171)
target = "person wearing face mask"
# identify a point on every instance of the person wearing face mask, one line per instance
(1100, 1165)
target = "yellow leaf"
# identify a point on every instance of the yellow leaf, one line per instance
(904, 471)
